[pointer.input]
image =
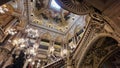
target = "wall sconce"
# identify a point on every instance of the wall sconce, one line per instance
(36, 45)
(64, 52)
(33, 63)
(72, 45)
(51, 49)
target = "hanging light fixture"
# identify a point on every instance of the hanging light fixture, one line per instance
(12, 31)
(15, 42)
(33, 33)
(33, 63)
(29, 60)
(21, 40)
(1, 10)
(22, 45)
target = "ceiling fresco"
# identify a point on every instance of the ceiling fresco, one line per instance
(49, 15)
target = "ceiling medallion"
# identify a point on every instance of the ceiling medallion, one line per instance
(79, 7)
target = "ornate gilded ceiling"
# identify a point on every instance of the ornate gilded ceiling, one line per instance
(46, 15)
(51, 22)
(42, 27)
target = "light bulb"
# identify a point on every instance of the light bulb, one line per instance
(29, 60)
(39, 60)
(15, 42)
(22, 45)
(1, 10)
(32, 51)
(52, 49)
(64, 52)
(36, 45)
(21, 40)
(33, 63)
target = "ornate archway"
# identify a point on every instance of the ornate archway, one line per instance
(98, 28)
(98, 51)
(112, 61)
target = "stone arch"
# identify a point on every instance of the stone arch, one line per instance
(91, 43)
(59, 38)
(107, 57)
(46, 35)
(103, 35)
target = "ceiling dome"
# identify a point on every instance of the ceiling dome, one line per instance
(80, 7)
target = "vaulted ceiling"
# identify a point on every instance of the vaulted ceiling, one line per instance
(109, 8)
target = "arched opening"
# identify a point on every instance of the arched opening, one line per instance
(113, 61)
(99, 51)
